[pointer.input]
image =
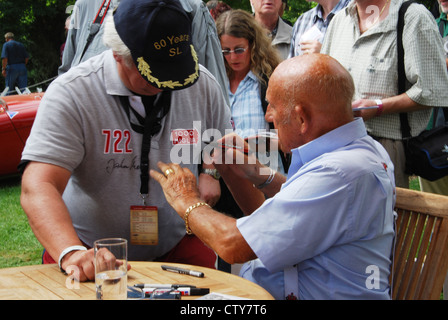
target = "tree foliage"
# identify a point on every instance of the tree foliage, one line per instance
(39, 25)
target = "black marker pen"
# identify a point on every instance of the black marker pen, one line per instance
(162, 285)
(183, 271)
(184, 291)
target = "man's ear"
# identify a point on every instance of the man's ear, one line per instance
(301, 118)
(117, 57)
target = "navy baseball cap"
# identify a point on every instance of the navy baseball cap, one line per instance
(158, 34)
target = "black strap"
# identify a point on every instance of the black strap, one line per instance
(140, 127)
(445, 110)
(442, 27)
(405, 128)
(156, 107)
(96, 25)
(263, 89)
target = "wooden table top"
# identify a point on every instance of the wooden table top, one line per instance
(47, 282)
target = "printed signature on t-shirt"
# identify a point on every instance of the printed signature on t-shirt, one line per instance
(113, 164)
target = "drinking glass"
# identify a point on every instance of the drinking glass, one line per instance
(111, 265)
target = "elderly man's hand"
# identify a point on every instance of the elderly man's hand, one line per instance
(241, 164)
(179, 185)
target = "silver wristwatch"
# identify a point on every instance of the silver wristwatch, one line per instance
(212, 172)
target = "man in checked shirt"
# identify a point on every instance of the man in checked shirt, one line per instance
(318, 17)
(362, 37)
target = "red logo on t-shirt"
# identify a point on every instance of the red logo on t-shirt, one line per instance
(185, 136)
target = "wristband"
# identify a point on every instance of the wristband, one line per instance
(67, 250)
(380, 107)
(187, 212)
(268, 180)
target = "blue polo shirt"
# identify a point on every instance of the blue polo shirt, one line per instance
(333, 219)
(15, 52)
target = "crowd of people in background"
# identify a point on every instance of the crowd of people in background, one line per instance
(257, 72)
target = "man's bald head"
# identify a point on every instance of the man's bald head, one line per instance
(316, 79)
(316, 89)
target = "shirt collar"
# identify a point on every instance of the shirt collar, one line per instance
(251, 75)
(112, 81)
(282, 33)
(317, 13)
(388, 24)
(331, 141)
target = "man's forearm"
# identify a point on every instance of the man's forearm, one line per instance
(221, 233)
(47, 214)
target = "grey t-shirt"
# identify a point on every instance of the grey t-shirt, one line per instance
(81, 126)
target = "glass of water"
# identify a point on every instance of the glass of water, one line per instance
(111, 266)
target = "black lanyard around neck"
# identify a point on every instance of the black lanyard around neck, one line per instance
(156, 107)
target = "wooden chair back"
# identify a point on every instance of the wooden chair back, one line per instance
(421, 248)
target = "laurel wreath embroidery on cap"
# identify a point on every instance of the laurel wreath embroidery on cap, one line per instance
(145, 70)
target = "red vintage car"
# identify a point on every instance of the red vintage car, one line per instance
(17, 113)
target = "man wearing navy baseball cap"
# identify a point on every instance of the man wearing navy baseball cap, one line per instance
(105, 123)
(158, 34)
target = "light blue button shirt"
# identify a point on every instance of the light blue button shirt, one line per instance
(245, 105)
(333, 218)
(248, 116)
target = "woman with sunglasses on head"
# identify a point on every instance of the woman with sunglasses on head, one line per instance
(250, 60)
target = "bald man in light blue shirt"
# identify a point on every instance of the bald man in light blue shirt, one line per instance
(332, 220)
(327, 230)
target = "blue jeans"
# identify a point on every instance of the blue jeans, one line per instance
(16, 76)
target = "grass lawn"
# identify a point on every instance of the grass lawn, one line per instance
(19, 246)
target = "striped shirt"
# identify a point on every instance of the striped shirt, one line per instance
(245, 105)
(371, 59)
(307, 20)
(248, 117)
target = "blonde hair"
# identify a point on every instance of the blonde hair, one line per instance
(241, 24)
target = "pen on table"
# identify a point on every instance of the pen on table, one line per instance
(162, 285)
(184, 291)
(183, 271)
(227, 146)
